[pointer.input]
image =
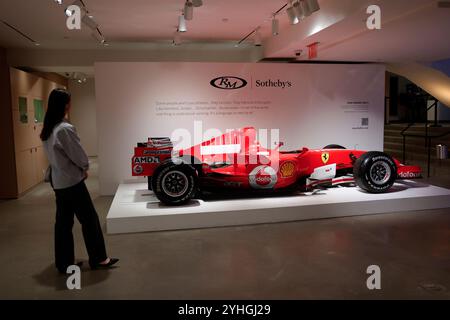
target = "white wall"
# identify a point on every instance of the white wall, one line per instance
(83, 60)
(83, 114)
(324, 104)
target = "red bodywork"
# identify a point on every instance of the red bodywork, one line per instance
(236, 160)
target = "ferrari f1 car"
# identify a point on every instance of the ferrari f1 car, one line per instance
(237, 161)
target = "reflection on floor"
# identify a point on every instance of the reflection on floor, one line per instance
(300, 260)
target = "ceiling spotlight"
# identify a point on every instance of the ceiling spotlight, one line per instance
(59, 1)
(275, 26)
(299, 10)
(304, 8)
(77, 3)
(78, 77)
(257, 39)
(90, 22)
(176, 39)
(188, 10)
(197, 3)
(182, 24)
(99, 37)
(292, 15)
(313, 5)
(68, 12)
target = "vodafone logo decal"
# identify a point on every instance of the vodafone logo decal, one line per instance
(263, 177)
(409, 175)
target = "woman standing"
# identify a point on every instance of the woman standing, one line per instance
(68, 170)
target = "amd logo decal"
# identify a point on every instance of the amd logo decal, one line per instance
(228, 83)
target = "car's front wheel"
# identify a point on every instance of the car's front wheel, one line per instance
(375, 172)
(174, 183)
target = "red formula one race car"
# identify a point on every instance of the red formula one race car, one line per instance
(236, 161)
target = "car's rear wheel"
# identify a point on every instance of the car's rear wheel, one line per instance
(375, 172)
(174, 183)
(333, 146)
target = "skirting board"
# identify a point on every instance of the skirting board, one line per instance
(135, 209)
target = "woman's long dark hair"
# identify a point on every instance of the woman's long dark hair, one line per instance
(57, 102)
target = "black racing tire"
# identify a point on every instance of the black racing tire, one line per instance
(174, 183)
(375, 172)
(334, 146)
(149, 183)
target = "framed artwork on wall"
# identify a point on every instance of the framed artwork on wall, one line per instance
(39, 111)
(23, 110)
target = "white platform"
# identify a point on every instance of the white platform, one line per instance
(135, 209)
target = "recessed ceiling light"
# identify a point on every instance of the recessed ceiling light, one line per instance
(37, 44)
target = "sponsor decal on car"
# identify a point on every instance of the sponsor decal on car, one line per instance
(263, 177)
(137, 169)
(406, 175)
(232, 184)
(325, 157)
(287, 169)
(146, 160)
(156, 152)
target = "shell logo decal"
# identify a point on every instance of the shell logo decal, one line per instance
(287, 169)
(263, 177)
(325, 157)
(137, 169)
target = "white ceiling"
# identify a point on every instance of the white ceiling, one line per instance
(414, 30)
(132, 21)
(411, 30)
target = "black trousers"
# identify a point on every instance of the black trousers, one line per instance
(77, 201)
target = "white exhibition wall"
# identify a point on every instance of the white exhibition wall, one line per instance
(311, 104)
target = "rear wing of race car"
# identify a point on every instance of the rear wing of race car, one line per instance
(148, 155)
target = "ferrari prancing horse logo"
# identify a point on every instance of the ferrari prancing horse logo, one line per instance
(325, 157)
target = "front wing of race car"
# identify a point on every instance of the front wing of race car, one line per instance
(326, 176)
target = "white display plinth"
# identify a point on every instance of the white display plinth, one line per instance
(135, 209)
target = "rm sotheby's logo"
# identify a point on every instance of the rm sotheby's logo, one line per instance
(228, 83)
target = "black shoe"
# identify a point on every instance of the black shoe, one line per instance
(112, 261)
